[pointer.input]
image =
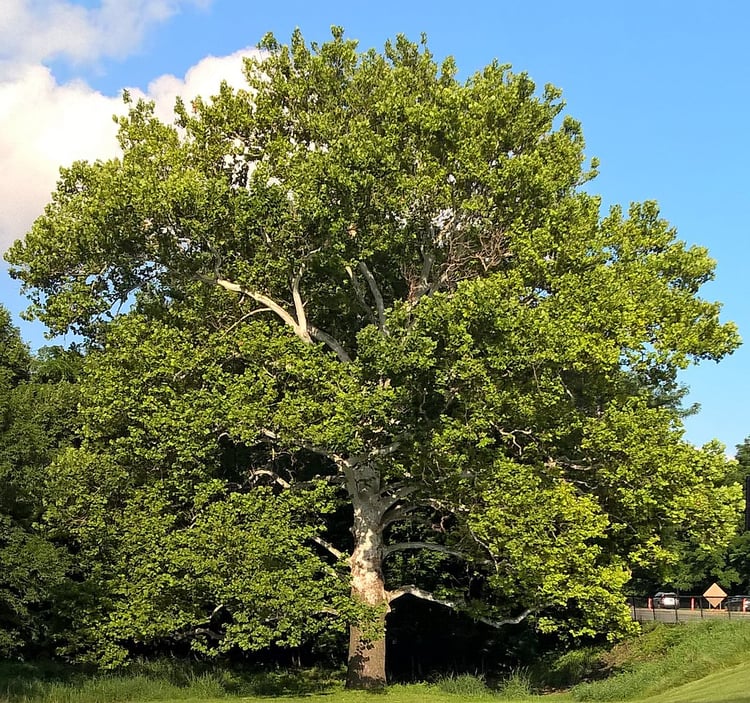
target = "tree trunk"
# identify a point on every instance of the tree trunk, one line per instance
(366, 665)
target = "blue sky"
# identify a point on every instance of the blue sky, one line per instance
(660, 87)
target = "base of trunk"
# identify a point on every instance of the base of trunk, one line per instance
(366, 668)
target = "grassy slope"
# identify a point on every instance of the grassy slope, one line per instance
(730, 686)
(669, 657)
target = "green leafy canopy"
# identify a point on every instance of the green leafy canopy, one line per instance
(378, 292)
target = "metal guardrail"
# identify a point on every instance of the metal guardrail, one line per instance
(691, 608)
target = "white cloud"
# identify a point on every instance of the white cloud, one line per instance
(202, 79)
(45, 125)
(32, 31)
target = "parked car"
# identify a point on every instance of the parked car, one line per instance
(666, 600)
(741, 603)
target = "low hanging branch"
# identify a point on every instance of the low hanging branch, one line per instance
(430, 546)
(453, 605)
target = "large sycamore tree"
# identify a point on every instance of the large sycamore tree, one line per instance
(362, 278)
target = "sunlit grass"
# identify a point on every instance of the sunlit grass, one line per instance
(669, 657)
(729, 686)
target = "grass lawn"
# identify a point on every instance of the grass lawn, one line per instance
(705, 662)
(729, 686)
(394, 694)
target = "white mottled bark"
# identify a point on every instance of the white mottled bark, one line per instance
(366, 669)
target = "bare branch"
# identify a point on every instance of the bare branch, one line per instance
(269, 303)
(419, 290)
(431, 546)
(505, 621)
(442, 506)
(203, 631)
(312, 331)
(426, 595)
(330, 342)
(376, 294)
(571, 464)
(205, 627)
(387, 450)
(396, 514)
(427, 262)
(396, 493)
(299, 306)
(420, 593)
(360, 293)
(355, 459)
(243, 318)
(276, 478)
(329, 548)
(307, 332)
(422, 286)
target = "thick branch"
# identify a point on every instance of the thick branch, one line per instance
(424, 286)
(298, 304)
(355, 459)
(398, 513)
(396, 493)
(205, 628)
(427, 290)
(360, 293)
(329, 547)
(270, 304)
(426, 595)
(276, 478)
(376, 294)
(431, 546)
(427, 262)
(387, 450)
(306, 332)
(330, 342)
(422, 594)
(207, 632)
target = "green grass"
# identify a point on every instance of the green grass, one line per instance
(729, 686)
(170, 681)
(705, 662)
(113, 691)
(161, 680)
(668, 657)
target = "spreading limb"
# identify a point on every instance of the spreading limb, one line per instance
(426, 595)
